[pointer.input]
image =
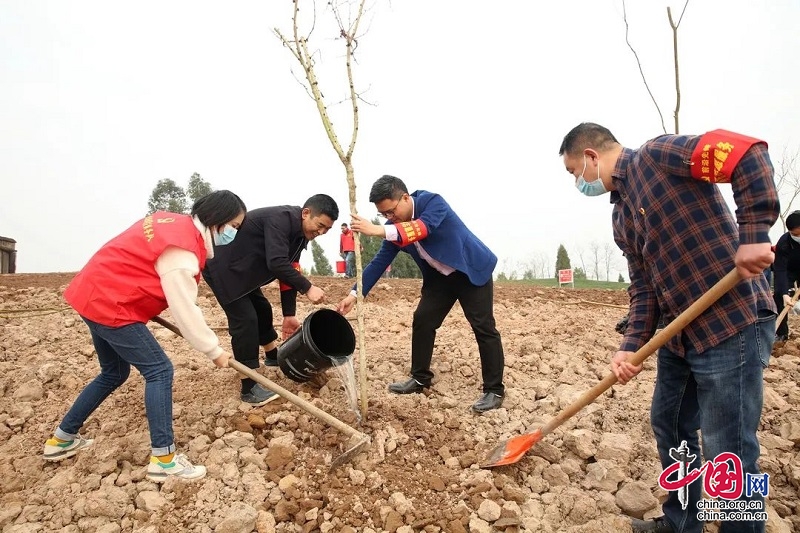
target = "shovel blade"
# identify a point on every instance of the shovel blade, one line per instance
(512, 450)
(349, 454)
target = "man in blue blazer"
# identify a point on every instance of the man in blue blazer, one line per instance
(455, 265)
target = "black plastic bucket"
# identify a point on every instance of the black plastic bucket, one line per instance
(325, 339)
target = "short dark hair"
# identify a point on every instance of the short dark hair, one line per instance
(793, 220)
(587, 135)
(217, 208)
(322, 204)
(387, 188)
(344, 224)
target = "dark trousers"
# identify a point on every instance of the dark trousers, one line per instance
(439, 294)
(250, 326)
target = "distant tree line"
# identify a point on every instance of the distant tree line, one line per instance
(598, 263)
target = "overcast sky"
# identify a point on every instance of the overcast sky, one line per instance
(99, 100)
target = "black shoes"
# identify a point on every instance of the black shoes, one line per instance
(258, 396)
(270, 362)
(487, 402)
(407, 387)
(656, 525)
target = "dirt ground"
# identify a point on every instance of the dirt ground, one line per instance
(268, 467)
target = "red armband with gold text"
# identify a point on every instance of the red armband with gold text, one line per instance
(717, 154)
(409, 232)
(285, 287)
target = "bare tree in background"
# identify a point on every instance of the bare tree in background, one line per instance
(347, 16)
(594, 251)
(542, 264)
(674, 27)
(508, 270)
(581, 255)
(787, 181)
(609, 258)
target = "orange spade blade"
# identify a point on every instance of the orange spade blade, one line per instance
(512, 450)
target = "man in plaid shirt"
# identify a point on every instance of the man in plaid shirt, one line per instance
(680, 238)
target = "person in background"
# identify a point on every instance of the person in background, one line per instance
(680, 238)
(267, 247)
(347, 250)
(456, 267)
(786, 270)
(152, 265)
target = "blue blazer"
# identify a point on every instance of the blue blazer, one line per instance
(449, 241)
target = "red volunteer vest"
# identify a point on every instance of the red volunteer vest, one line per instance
(347, 242)
(119, 285)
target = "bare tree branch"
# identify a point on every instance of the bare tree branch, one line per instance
(349, 36)
(787, 181)
(639, 64)
(682, 12)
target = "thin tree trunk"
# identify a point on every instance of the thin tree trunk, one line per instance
(299, 49)
(677, 72)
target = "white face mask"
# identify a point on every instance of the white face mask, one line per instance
(794, 238)
(590, 188)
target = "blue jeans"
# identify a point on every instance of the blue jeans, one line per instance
(719, 392)
(118, 349)
(350, 264)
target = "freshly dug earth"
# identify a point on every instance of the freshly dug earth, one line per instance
(268, 466)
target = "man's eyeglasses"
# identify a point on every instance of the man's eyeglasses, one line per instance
(390, 212)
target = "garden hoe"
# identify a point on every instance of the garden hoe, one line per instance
(308, 407)
(512, 450)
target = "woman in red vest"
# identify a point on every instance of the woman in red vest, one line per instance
(152, 265)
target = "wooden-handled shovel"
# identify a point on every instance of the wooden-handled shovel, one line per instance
(308, 407)
(787, 307)
(512, 450)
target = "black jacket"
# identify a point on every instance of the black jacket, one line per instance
(786, 268)
(266, 245)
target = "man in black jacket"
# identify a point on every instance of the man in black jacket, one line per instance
(267, 247)
(786, 270)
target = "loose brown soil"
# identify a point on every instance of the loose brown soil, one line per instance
(268, 466)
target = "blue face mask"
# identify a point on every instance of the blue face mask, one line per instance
(590, 188)
(225, 236)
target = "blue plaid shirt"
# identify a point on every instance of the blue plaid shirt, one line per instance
(680, 238)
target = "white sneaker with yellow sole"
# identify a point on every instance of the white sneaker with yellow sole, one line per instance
(180, 467)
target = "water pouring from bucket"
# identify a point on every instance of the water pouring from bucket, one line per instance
(324, 340)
